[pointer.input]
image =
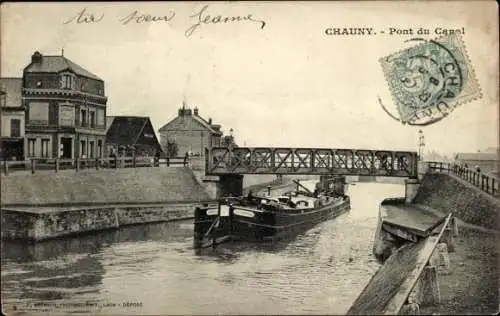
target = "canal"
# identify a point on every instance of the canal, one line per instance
(152, 269)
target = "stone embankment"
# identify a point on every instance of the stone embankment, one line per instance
(446, 192)
(471, 282)
(102, 187)
(43, 223)
(49, 205)
(459, 273)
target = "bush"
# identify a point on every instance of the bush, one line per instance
(172, 148)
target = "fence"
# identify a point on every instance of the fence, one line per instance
(56, 164)
(484, 182)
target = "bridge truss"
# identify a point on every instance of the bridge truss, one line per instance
(311, 161)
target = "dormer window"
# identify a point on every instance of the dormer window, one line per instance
(68, 81)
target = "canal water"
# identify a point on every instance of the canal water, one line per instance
(152, 269)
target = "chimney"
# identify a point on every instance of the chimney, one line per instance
(36, 58)
(196, 111)
(210, 120)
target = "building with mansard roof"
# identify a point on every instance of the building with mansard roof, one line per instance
(65, 109)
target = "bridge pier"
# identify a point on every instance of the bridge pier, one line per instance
(230, 184)
(411, 189)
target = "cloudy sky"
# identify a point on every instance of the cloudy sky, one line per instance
(287, 84)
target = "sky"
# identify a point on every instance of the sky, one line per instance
(287, 84)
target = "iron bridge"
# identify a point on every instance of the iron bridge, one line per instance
(311, 161)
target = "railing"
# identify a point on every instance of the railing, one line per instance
(56, 164)
(312, 161)
(484, 182)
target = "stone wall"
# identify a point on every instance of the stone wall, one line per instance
(105, 186)
(53, 223)
(446, 193)
(150, 214)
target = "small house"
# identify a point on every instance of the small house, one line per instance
(129, 135)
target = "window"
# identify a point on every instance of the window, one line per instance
(39, 112)
(83, 149)
(83, 117)
(67, 82)
(66, 114)
(91, 149)
(38, 84)
(101, 117)
(92, 119)
(99, 148)
(45, 147)
(15, 128)
(31, 147)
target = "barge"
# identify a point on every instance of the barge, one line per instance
(267, 218)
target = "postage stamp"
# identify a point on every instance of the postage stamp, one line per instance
(429, 80)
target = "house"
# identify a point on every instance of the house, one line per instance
(190, 132)
(486, 161)
(65, 109)
(12, 119)
(126, 134)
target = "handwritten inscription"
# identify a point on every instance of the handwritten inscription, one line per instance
(203, 18)
(135, 17)
(141, 18)
(84, 17)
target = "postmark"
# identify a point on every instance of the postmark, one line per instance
(430, 79)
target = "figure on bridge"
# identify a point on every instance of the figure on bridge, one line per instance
(186, 159)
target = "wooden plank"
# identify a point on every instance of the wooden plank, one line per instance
(430, 244)
(389, 288)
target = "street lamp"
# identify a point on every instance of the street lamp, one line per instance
(231, 138)
(421, 144)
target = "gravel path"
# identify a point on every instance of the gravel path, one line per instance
(472, 287)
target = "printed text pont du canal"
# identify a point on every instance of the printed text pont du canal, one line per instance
(369, 31)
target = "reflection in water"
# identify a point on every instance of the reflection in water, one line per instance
(152, 269)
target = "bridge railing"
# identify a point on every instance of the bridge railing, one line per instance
(482, 181)
(55, 164)
(270, 160)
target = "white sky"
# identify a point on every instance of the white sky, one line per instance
(285, 85)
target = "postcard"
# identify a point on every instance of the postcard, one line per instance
(316, 157)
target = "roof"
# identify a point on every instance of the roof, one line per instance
(204, 123)
(490, 150)
(478, 156)
(58, 64)
(12, 87)
(109, 121)
(125, 130)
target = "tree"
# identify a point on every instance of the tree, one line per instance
(172, 148)
(228, 141)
